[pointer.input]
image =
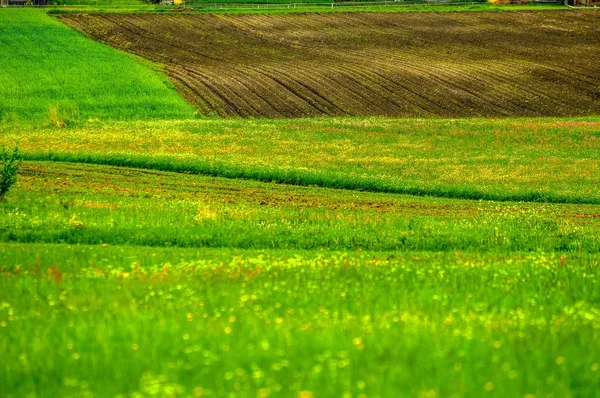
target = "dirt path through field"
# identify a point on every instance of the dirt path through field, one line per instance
(395, 64)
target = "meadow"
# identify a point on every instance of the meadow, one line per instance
(124, 282)
(545, 160)
(51, 73)
(80, 204)
(139, 321)
(150, 250)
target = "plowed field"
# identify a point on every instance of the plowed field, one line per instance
(447, 64)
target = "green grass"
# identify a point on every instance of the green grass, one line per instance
(93, 205)
(48, 65)
(541, 160)
(139, 282)
(396, 296)
(114, 321)
(145, 282)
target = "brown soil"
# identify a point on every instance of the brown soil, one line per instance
(397, 64)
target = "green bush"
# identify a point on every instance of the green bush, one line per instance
(10, 166)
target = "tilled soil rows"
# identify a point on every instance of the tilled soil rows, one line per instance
(543, 63)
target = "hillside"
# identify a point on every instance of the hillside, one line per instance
(505, 159)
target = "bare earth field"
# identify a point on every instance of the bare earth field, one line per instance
(447, 64)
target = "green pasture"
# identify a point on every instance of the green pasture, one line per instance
(142, 322)
(544, 160)
(51, 73)
(272, 290)
(75, 204)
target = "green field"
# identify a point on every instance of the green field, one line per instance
(459, 296)
(51, 74)
(116, 321)
(148, 253)
(78, 204)
(556, 160)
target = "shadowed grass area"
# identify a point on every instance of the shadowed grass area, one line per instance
(506, 159)
(52, 74)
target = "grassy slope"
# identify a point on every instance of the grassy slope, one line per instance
(276, 322)
(51, 65)
(522, 159)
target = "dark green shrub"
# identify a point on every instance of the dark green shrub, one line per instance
(11, 161)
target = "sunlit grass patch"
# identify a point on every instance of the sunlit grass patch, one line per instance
(391, 293)
(53, 75)
(88, 204)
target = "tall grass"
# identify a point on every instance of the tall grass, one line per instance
(115, 321)
(49, 71)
